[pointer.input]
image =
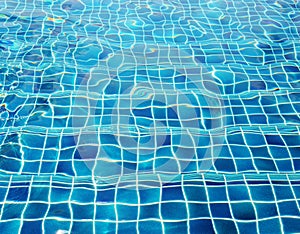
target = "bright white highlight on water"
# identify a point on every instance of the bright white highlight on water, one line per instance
(61, 232)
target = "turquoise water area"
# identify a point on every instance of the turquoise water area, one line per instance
(149, 116)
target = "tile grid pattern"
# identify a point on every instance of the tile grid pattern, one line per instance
(259, 203)
(246, 104)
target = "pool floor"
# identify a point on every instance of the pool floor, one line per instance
(149, 116)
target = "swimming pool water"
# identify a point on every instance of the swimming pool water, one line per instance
(149, 116)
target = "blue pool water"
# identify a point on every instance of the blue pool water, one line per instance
(149, 116)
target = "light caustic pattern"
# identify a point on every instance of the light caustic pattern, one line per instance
(111, 111)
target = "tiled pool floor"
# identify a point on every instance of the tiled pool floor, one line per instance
(149, 116)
